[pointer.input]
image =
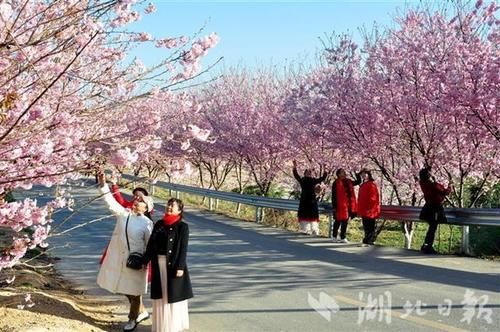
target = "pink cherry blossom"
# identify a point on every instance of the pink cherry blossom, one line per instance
(124, 157)
(151, 8)
(5, 11)
(167, 43)
(198, 133)
(185, 145)
(20, 246)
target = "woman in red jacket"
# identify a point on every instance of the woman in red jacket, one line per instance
(343, 203)
(368, 205)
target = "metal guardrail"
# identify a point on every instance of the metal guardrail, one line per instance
(456, 216)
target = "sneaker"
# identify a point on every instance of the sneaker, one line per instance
(130, 326)
(343, 240)
(142, 316)
(334, 240)
(364, 245)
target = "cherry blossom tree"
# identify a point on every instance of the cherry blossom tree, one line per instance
(413, 78)
(244, 112)
(69, 96)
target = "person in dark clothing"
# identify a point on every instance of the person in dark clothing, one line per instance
(308, 207)
(343, 203)
(432, 211)
(170, 282)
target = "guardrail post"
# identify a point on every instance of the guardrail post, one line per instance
(330, 224)
(465, 240)
(177, 194)
(258, 214)
(210, 204)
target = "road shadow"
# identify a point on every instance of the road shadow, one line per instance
(239, 239)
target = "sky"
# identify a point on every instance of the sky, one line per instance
(264, 33)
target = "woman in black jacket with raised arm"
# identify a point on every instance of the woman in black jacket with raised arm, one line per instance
(170, 283)
(308, 207)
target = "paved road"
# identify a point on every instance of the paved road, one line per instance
(248, 277)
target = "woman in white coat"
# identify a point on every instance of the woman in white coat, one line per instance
(114, 275)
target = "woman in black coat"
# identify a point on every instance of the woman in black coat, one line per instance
(308, 207)
(170, 283)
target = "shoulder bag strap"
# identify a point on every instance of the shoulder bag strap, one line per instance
(126, 234)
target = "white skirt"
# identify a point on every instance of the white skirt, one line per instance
(309, 227)
(168, 317)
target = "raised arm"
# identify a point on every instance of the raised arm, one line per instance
(441, 189)
(113, 205)
(296, 175)
(321, 179)
(115, 190)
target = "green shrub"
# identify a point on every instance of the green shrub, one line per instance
(485, 240)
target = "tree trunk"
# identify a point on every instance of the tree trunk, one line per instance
(408, 231)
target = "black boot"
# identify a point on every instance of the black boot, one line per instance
(428, 249)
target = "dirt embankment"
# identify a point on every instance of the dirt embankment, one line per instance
(40, 300)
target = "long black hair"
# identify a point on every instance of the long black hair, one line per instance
(370, 177)
(425, 174)
(140, 189)
(339, 171)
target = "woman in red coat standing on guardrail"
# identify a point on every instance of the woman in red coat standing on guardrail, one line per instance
(368, 205)
(433, 211)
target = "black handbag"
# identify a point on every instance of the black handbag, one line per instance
(135, 259)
